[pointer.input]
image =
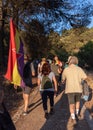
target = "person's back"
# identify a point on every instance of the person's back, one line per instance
(73, 75)
(27, 74)
(46, 87)
(54, 68)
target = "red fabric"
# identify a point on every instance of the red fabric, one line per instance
(12, 53)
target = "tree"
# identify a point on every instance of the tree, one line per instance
(51, 14)
(86, 55)
(35, 39)
(2, 63)
(61, 14)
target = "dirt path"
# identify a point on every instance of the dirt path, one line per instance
(59, 121)
(35, 119)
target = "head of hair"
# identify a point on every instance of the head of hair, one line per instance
(69, 59)
(44, 59)
(46, 69)
(56, 57)
(73, 60)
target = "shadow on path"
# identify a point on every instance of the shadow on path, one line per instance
(34, 105)
(61, 119)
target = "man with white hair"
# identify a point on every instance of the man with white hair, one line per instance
(72, 76)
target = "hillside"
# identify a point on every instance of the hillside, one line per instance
(73, 39)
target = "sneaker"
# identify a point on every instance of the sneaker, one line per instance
(25, 113)
(46, 115)
(73, 121)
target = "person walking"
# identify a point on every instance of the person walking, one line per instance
(57, 68)
(43, 60)
(73, 76)
(28, 72)
(48, 87)
(57, 61)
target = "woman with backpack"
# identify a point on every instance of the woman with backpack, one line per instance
(48, 87)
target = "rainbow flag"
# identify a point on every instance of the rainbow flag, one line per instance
(16, 57)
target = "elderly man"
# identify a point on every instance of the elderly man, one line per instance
(73, 75)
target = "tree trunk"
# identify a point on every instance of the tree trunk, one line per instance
(2, 60)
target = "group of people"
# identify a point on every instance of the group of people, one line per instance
(53, 72)
(48, 79)
(72, 76)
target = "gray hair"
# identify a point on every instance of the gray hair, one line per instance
(73, 60)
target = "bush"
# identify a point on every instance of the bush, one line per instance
(85, 55)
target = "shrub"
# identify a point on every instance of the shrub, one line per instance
(85, 55)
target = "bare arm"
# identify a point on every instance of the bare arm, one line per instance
(55, 83)
(38, 81)
(32, 69)
(59, 70)
(38, 69)
(33, 73)
(63, 80)
(89, 81)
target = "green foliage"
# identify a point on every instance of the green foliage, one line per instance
(86, 55)
(62, 54)
(36, 42)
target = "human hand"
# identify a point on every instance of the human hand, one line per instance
(15, 86)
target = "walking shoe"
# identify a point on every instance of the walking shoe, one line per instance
(72, 121)
(25, 113)
(51, 111)
(46, 115)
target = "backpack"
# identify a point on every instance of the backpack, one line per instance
(27, 76)
(46, 83)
